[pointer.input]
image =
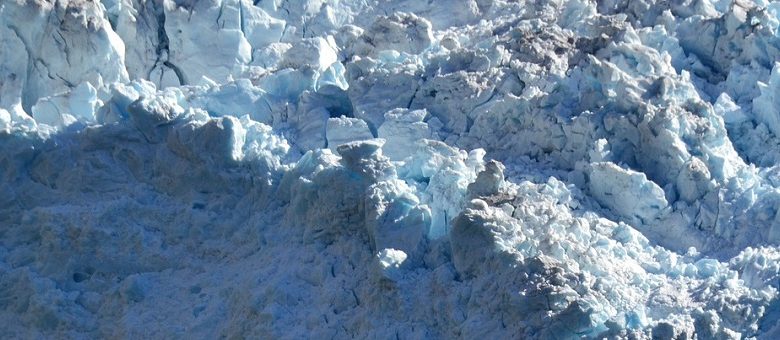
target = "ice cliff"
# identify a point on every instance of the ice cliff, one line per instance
(389, 169)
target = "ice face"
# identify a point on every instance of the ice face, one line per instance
(277, 169)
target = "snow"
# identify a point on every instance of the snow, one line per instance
(277, 169)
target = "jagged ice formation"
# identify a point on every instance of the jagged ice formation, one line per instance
(389, 169)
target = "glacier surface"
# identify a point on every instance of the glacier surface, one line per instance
(390, 169)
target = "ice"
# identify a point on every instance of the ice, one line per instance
(402, 129)
(396, 169)
(731, 112)
(260, 29)
(626, 192)
(488, 181)
(390, 260)
(396, 217)
(5, 118)
(343, 129)
(214, 27)
(316, 53)
(766, 104)
(71, 43)
(400, 32)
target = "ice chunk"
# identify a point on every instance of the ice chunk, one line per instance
(259, 28)
(767, 105)
(216, 142)
(403, 32)
(391, 258)
(83, 102)
(47, 111)
(365, 158)
(402, 129)
(235, 98)
(153, 116)
(730, 111)
(448, 172)
(473, 240)
(694, 180)
(344, 129)
(488, 181)
(5, 119)
(316, 53)
(62, 110)
(627, 193)
(395, 218)
(390, 261)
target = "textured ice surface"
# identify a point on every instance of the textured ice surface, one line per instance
(380, 169)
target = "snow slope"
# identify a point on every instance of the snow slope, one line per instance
(380, 169)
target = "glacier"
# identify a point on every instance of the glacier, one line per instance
(390, 169)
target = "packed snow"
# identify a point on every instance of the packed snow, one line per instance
(390, 169)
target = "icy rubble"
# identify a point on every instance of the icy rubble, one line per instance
(277, 169)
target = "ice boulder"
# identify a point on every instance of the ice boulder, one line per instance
(400, 31)
(80, 104)
(390, 262)
(447, 173)
(343, 129)
(155, 115)
(767, 105)
(395, 217)
(365, 158)
(629, 194)
(402, 129)
(694, 180)
(488, 181)
(260, 28)
(315, 53)
(473, 239)
(731, 112)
